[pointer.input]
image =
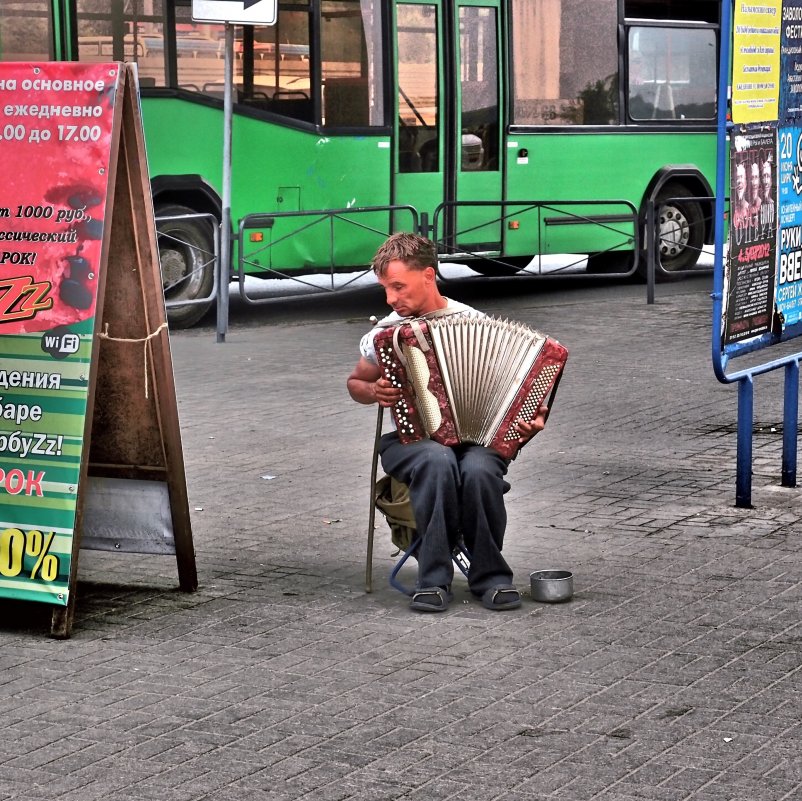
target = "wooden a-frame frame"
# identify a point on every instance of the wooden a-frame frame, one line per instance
(131, 428)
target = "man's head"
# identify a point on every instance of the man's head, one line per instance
(405, 266)
(755, 180)
(415, 251)
(740, 179)
(766, 178)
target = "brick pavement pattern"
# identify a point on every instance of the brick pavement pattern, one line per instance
(673, 674)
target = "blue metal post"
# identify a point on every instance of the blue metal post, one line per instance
(790, 423)
(743, 478)
(722, 159)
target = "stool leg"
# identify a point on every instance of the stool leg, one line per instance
(372, 511)
(394, 582)
(461, 557)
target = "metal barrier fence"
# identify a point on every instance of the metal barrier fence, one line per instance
(623, 232)
(561, 215)
(316, 218)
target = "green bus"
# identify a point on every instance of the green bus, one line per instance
(504, 129)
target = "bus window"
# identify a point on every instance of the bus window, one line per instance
(199, 54)
(479, 88)
(281, 67)
(565, 62)
(271, 65)
(350, 41)
(25, 30)
(672, 73)
(418, 122)
(120, 31)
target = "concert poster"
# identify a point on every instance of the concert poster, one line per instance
(749, 296)
(789, 239)
(756, 61)
(791, 61)
(56, 134)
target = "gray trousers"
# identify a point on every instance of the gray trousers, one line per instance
(454, 491)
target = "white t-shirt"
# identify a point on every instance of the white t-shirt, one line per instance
(366, 343)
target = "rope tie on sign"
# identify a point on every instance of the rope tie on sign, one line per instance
(104, 334)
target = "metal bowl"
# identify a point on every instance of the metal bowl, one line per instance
(551, 586)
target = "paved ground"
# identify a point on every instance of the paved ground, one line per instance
(674, 673)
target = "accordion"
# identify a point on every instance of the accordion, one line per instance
(468, 379)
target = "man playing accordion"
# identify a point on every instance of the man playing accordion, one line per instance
(457, 490)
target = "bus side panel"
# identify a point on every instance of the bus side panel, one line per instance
(281, 169)
(604, 167)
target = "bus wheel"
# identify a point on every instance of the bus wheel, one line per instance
(680, 230)
(186, 253)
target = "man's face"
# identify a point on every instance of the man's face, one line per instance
(407, 290)
(755, 184)
(767, 179)
(740, 180)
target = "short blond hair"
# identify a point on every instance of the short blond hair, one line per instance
(417, 252)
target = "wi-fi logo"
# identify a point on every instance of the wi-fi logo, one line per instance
(60, 342)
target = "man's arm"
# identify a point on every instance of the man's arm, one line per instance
(366, 385)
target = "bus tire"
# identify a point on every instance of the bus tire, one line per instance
(186, 254)
(680, 232)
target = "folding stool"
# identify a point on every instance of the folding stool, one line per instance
(460, 554)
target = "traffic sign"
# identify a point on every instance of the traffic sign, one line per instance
(240, 12)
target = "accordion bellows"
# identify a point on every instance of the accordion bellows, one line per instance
(468, 379)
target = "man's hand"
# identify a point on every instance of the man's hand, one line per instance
(528, 430)
(386, 393)
(366, 384)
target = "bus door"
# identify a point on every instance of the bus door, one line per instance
(449, 118)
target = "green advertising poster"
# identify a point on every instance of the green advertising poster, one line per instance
(57, 130)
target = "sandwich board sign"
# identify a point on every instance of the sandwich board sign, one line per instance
(88, 413)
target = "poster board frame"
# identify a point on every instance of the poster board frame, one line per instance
(736, 116)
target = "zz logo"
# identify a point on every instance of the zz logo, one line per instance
(21, 298)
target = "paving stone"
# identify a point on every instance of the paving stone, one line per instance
(671, 675)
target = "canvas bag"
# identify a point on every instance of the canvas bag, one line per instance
(393, 501)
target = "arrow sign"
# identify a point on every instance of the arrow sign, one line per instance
(240, 12)
(246, 4)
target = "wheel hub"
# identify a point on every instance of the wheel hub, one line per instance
(174, 267)
(674, 232)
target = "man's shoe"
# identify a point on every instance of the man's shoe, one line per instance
(500, 597)
(431, 599)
